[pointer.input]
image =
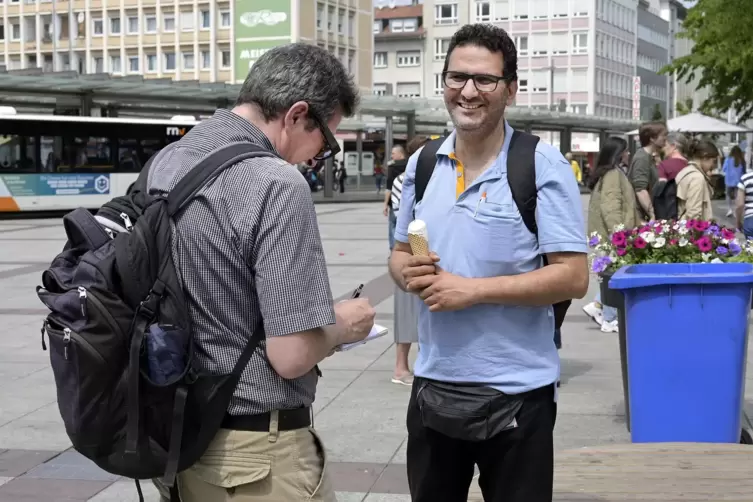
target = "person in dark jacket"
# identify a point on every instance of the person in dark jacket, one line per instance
(396, 168)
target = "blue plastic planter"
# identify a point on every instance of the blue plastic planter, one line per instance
(687, 331)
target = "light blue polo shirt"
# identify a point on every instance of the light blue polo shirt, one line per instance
(510, 348)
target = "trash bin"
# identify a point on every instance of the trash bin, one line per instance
(687, 329)
(615, 298)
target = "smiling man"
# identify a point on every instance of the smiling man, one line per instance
(484, 391)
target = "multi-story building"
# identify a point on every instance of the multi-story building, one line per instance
(399, 51)
(206, 40)
(654, 50)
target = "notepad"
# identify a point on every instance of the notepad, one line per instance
(376, 332)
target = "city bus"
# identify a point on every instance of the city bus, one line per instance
(59, 163)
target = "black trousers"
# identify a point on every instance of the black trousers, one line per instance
(516, 465)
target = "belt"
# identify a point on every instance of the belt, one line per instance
(287, 420)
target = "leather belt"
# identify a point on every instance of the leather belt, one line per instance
(287, 420)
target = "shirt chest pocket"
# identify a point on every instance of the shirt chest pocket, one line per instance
(504, 237)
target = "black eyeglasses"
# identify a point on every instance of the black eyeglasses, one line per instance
(331, 147)
(483, 82)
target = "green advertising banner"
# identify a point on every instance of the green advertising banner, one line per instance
(247, 52)
(255, 20)
(262, 18)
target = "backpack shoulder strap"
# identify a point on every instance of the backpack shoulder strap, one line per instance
(209, 168)
(521, 176)
(427, 160)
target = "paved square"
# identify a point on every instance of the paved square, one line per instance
(359, 413)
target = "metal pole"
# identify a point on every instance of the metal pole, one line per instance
(551, 87)
(70, 34)
(54, 34)
(387, 142)
(359, 160)
(328, 178)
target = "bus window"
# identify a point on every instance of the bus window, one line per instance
(17, 154)
(51, 153)
(87, 154)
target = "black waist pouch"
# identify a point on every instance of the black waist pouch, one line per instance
(464, 412)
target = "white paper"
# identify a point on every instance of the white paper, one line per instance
(377, 331)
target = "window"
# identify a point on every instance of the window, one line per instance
(580, 43)
(483, 12)
(168, 22)
(225, 19)
(341, 21)
(396, 25)
(206, 61)
(98, 64)
(169, 59)
(408, 89)
(501, 10)
(133, 64)
(446, 13)
(151, 63)
(521, 42)
(408, 58)
(440, 48)
(97, 27)
(225, 59)
(151, 24)
(320, 16)
(376, 29)
(115, 25)
(205, 20)
(559, 81)
(540, 80)
(186, 21)
(379, 89)
(18, 154)
(410, 25)
(438, 84)
(579, 109)
(380, 60)
(539, 9)
(351, 25)
(558, 42)
(540, 44)
(331, 20)
(115, 64)
(523, 85)
(15, 32)
(520, 9)
(189, 62)
(133, 25)
(559, 9)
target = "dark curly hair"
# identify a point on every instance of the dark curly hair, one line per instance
(492, 38)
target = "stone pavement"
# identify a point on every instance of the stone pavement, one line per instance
(359, 413)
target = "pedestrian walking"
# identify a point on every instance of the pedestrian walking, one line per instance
(484, 388)
(232, 247)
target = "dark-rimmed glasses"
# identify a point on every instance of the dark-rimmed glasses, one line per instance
(331, 147)
(483, 82)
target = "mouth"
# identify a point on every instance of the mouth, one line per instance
(469, 106)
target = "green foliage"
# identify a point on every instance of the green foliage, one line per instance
(722, 57)
(657, 115)
(685, 106)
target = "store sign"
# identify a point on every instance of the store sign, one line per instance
(636, 98)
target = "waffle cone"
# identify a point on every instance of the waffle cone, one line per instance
(418, 244)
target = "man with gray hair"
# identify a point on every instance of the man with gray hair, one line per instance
(250, 257)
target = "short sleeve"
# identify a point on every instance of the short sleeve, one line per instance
(288, 259)
(559, 211)
(640, 173)
(390, 177)
(407, 199)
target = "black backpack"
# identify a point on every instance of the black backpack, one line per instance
(521, 176)
(665, 200)
(121, 347)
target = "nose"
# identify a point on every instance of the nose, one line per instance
(469, 90)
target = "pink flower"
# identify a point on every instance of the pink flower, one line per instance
(673, 242)
(618, 239)
(644, 229)
(704, 244)
(728, 234)
(639, 243)
(621, 252)
(702, 226)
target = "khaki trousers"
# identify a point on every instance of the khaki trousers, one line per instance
(245, 466)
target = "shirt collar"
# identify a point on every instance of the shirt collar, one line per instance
(248, 130)
(448, 145)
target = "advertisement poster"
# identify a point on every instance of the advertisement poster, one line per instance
(256, 22)
(35, 185)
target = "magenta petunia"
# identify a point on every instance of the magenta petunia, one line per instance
(701, 225)
(619, 239)
(639, 243)
(704, 244)
(621, 252)
(728, 234)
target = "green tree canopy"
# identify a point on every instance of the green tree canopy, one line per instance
(722, 57)
(657, 115)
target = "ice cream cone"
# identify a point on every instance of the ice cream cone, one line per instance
(418, 237)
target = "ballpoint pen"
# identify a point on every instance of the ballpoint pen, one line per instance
(357, 292)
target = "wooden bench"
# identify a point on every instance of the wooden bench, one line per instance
(661, 472)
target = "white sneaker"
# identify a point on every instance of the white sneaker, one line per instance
(593, 310)
(610, 327)
(729, 214)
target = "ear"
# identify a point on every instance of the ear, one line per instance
(512, 91)
(297, 113)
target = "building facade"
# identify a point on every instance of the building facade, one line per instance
(399, 51)
(654, 50)
(205, 40)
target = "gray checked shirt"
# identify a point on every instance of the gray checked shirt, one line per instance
(247, 249)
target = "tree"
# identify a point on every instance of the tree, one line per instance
(685, 106)
(657, 115)
(722, 58)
